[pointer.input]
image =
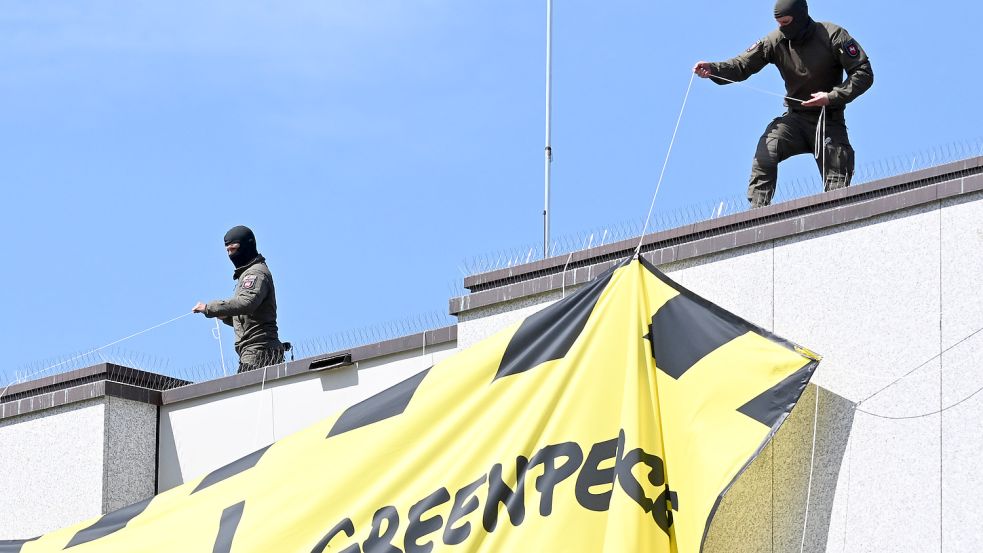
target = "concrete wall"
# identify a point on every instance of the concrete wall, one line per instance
(880, 299)
(52, 465)
(129, 458)
(201, 434)
(74, 462)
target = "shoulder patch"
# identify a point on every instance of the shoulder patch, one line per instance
(851, 48)
(248, 282)
(753, 46)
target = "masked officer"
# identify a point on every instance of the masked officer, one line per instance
(251, 311)
(811, 58)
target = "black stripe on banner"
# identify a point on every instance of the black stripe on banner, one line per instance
(717, 310)
(774, 403)
(232, 469)
(549, 334)
(109, 523)
(384, 405)
(13, 546)
(227, 528)
(683, 332)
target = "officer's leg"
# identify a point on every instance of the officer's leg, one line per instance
(779, 141)
(258, 358)
(276, 355)
(250, 360)
(837, 158)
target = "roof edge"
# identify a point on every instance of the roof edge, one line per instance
(744, 229)
(722, 225)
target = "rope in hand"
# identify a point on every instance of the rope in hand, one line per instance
(820, 140)
(77, 357)
(761, 90)
(819, 150)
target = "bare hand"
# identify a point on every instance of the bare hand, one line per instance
(198, 308)
(818, 100)
(702, 69)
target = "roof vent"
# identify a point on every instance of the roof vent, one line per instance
(330, 362)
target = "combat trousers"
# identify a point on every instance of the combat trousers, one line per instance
(257, 358)
(795, 133)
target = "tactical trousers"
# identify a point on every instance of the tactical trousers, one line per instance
(795, 133)
(257, 358)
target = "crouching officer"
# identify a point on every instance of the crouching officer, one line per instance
(811, 57)
(251, 311)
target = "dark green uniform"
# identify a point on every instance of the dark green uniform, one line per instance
(814, 63)
(251, 311)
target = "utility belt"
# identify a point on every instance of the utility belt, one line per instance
(832, 114)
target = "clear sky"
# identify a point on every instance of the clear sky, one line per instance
(375, 146)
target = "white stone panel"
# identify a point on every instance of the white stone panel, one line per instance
(962, 373)
(865, 296)
(889, 487)
(52, 462)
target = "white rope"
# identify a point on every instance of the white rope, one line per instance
(563, 281)
(77, 357)
(921, 415)
(423, 355)
(217, 332)
(761, 90)
(820, 143)
(658, 185)
(812, 465)
(259, 409)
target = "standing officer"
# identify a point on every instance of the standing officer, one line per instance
(811, 58)
(251, 311)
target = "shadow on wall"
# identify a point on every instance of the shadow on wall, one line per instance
(765, 509)
(337, 379)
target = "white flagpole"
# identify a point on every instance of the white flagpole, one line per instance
(549, 113)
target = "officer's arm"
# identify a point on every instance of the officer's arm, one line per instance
(860, 75)
(754, 59)
(250, 292)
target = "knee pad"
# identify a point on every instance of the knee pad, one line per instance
(839, 164)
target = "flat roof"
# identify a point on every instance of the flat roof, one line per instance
(109, 379)
(837, 207)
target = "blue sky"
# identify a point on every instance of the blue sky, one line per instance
(376, 146)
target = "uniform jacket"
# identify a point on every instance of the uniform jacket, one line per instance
(813, 64)
(251, 311)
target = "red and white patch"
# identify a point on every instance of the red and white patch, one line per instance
(248, 282)
(852, 49)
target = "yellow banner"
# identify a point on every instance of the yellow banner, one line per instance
(613, 420)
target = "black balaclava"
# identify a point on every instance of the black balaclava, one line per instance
(801, 22)
(247, 245)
